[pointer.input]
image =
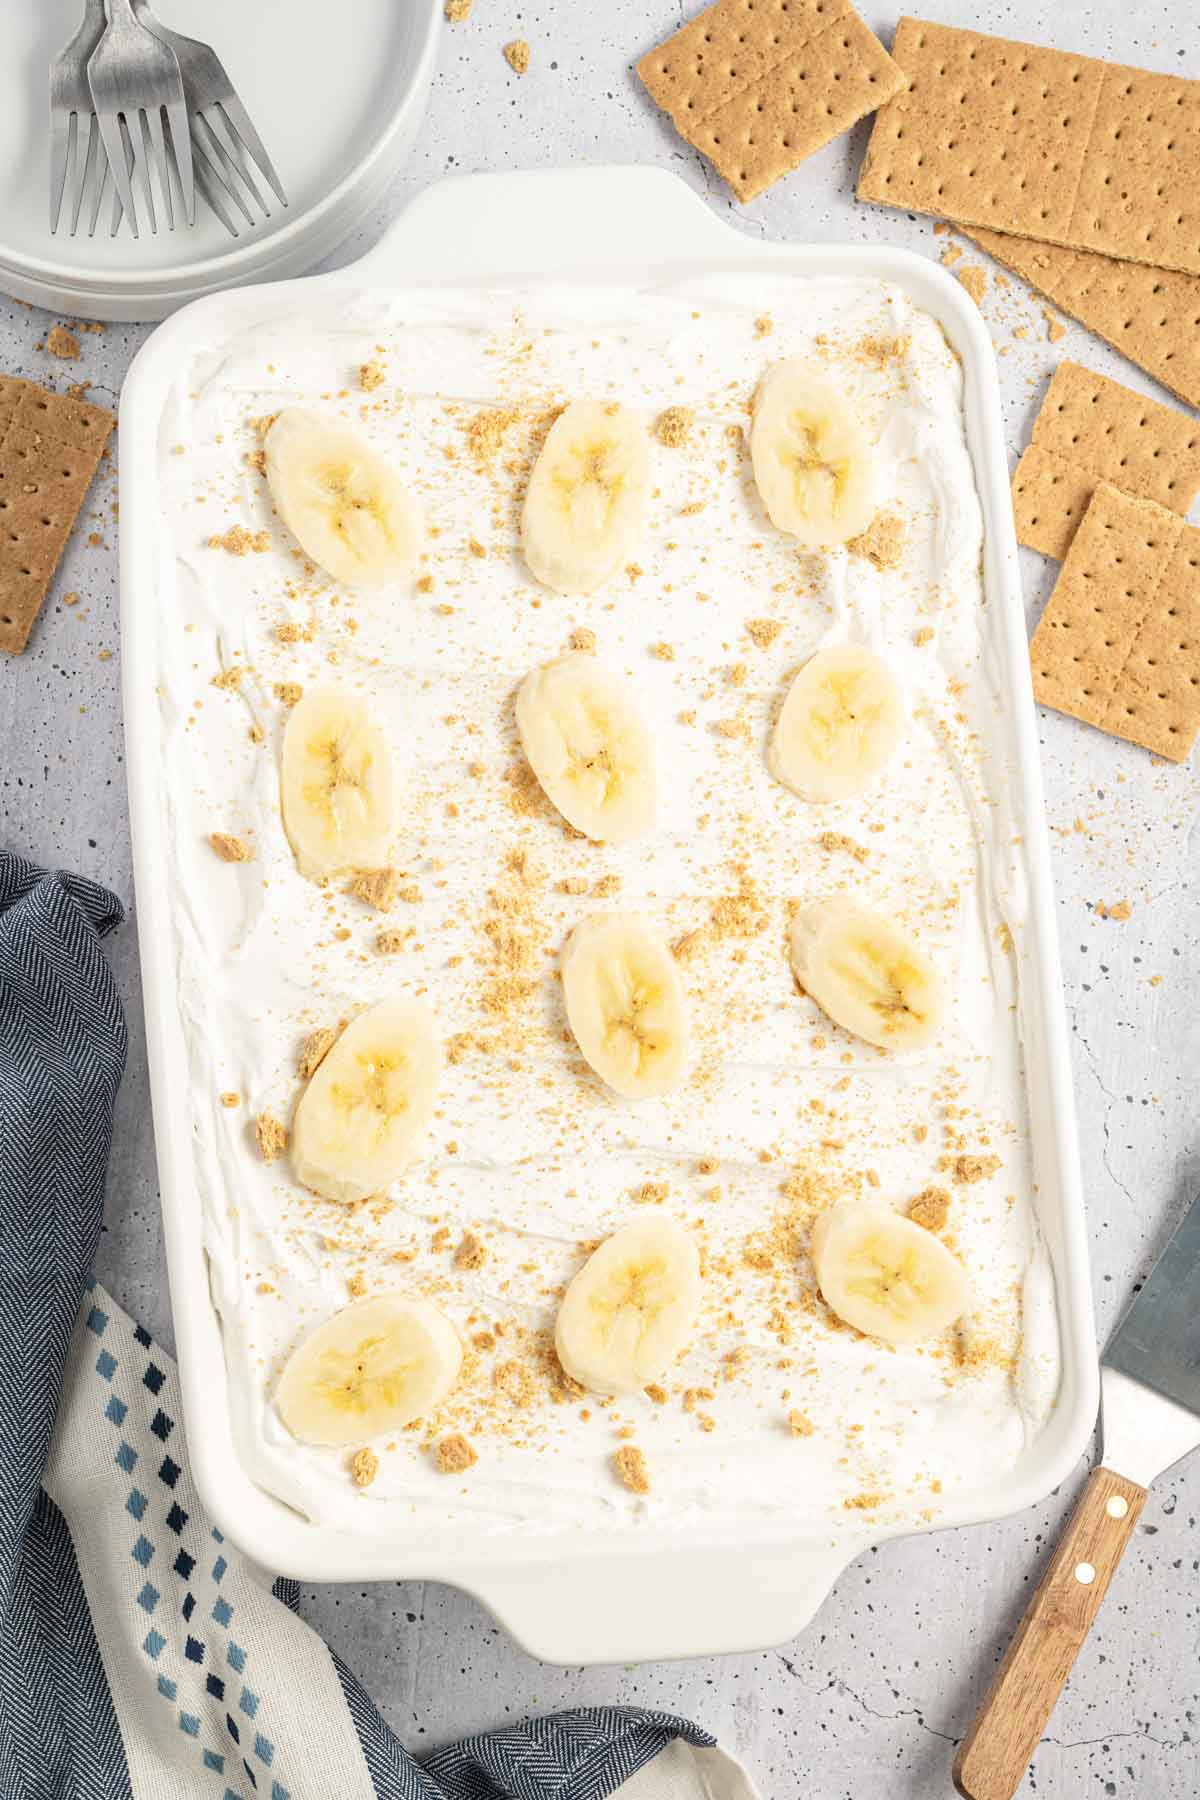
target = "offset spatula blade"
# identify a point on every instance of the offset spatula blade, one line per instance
(1158, 1340)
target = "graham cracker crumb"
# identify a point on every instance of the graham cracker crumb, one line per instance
(485, 432)
(737, 675)
(471, 1252)
(391, 941)
(516, 55)
(763, 632)
(800, 1425)
(357, 1285)
(764, 327)
(230, 849)
(289, 692)
(630, 1465)
(458, 1045)
(950, 254)
(289, 632)
(257, 460)
(371, 375)
(1120, 911)
(674, 426)
(454, 1455)
(970, 1169)
(316, 1048)
(974, 279)
(231, 1100)
(364, 1467)
(257, 734)
(689, 944)
(62, 343)
(515, 1382)
(229, 679)
(458, 10)
(931, 1208)
(377, 888)
(271, 1136)
(239, 542)
(653, 1193)
(425, 584)
(923, 635)
(476, 548)
(583, 638)
(606, 887)
(837, 840)
(1055, 329)
(664, 652)
(658, 1394)
(71, 599)
(863, 1502)
(882, 543)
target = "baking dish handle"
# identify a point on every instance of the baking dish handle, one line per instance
(542, 222)
(690, 1602)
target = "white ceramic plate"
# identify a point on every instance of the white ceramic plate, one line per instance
(571, 1597)
(337, 95)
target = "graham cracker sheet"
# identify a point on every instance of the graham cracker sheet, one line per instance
(1041, 143)
(1092, 430)
(50, 447)
(759, 85)
(1118, 645)
(1152, 316)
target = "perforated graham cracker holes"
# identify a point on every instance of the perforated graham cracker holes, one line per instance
(1118, 645)
(1116, 188)
(49, 450)
(758, 85)
(1090, 430)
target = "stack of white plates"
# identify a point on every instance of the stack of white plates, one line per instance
(337, 93)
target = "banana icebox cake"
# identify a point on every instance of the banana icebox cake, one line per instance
(597, 909)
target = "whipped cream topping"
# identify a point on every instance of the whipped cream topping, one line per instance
(782, 1113)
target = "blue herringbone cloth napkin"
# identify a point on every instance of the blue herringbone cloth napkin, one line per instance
(141, 1658)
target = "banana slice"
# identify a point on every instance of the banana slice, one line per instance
(586, 501)
(885, 1275)
(348, 508)
(843, 719)
(589, 748)
(337, 786)
(631, 1308)
(814, 468)
(867, 974)
(361, 1118)
(375, 1366)
(625, 1004)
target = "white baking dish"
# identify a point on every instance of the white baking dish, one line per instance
(569, 1598)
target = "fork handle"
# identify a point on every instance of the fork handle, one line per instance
(1005, 1732)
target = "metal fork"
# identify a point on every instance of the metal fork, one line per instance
(134, 78)
(71, 114)
(222, 130)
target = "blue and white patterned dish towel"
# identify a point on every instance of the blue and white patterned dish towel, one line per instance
(141, 1657)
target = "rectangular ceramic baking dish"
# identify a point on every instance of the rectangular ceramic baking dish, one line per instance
(571, 1598)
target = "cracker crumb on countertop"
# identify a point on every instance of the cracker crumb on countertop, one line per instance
(229, 848)
(630, 1464)
(454, 1455)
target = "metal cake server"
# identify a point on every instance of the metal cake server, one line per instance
(1150, 1406)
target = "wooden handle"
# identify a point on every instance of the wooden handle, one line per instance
(1005, 1732)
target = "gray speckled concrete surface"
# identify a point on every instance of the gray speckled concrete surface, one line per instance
(870, 1699)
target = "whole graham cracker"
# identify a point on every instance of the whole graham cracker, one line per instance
(50, 447)
(1041, 143)
(758, 85)
(1091, 430)
(1118, 645)
(1152, 316)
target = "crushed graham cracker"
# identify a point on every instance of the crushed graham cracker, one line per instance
(454, 1455)
(371, 375)
(931, 1208)
(229, 679)
(837, 840)
(664, 652)
(315, 1049)
(357, 1285)
(471, 1252)
(882, 543)
(969, 1169)
(270, 1135)
(763, 632)
(974, 279)
(377, 888)
(392, 940)
(485, 432)
(764, 326)
(923, 635)
(514, 1381)
(62, 343)
(630, 1464)
(239, 542)
(229, 848)
(364, 1466)
(516, 55)
(583, 638)
(674, 426)
(458, 10)
(289, 692)
(799, 1424)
